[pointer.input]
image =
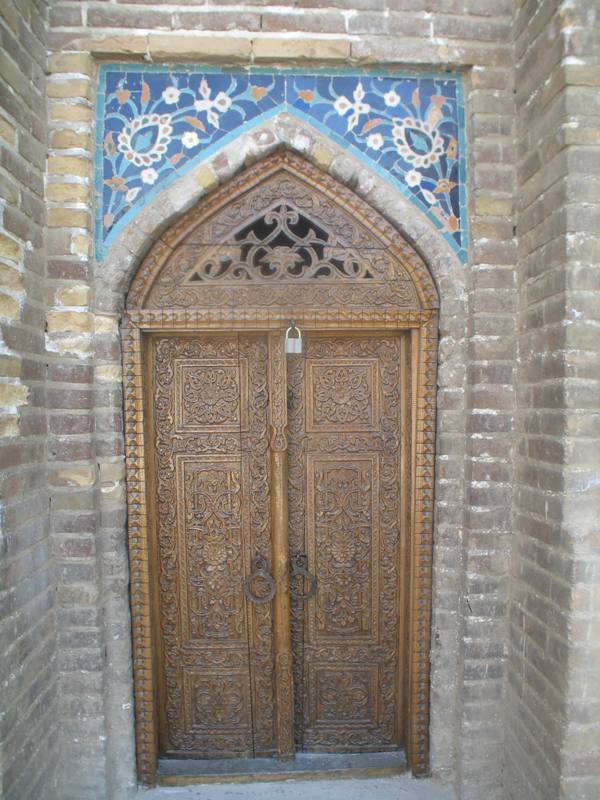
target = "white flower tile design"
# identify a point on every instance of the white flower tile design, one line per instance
(157, 121)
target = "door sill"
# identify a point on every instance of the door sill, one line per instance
(305, 766)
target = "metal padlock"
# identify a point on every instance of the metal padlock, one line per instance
(293, 344)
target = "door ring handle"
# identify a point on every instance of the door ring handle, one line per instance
(299, 566)
(259, 572)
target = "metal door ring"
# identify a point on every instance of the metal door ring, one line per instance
(259, 572)
(299, 567)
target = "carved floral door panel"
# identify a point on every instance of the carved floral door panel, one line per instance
(208, 408)
(210, 414)
(344, 510)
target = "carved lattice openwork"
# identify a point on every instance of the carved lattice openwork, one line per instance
(284, 240)
(284, 244)
(293, 232)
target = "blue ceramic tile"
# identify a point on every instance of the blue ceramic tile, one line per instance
(153, 123)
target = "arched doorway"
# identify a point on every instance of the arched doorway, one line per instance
(280, 507)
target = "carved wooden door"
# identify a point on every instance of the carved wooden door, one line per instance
(208, 408)
(337, 487)
(344, 511)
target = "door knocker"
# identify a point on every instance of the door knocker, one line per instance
(299, 567)
(259, 572)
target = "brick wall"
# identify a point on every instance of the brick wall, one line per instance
(490, 401)
(553, 725)
(87, 468)
(28, 685)
(478, 343)
(580, 755)
(545, 717)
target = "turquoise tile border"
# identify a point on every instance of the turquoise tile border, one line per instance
(154, 123)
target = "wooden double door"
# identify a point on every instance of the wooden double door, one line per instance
(251, 664)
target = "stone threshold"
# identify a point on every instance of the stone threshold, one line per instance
(305, 766)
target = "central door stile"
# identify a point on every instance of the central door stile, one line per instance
(284, 687)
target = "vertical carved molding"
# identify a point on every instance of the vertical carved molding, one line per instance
(256, 448)
(144, 682)
(422, 545)
(277, 393)
(284, 689)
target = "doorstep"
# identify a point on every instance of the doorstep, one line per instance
(305, 766)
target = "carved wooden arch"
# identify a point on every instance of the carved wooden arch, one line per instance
(284, 240)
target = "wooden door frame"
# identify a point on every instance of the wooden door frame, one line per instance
(392, 308)
(419, 457)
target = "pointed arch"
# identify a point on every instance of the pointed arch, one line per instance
(284, 239)
(283, 179)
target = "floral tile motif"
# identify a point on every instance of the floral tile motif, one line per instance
(154, 123)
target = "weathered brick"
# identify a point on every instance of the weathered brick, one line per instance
(21, 171)
(70, 424)
(65, 321)
(74, 476)
(68, 192)
(8, 132)
(130, 45)
(108, 373)
(62, 139)
(62, 269)
(209, 20)
(328, 22)
(69, 165)
(81, 244)
(70, 62)
(219, 49)
(300, 49)
(9, 248)
(13, 394)
(114, 17)
(68, 217)
(70, 113)
(105, 324)
(66, 15)
(10, 15)
(59, 87)
(407, 25)
(73, 295)
(10, 307)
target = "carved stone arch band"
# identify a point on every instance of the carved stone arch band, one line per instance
(284, 240)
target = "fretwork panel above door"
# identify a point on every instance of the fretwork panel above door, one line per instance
(345, 516)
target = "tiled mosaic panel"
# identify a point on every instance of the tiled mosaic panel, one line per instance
(154, 123)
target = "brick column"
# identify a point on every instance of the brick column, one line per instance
(28, 682)
(553, 725)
